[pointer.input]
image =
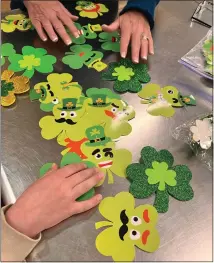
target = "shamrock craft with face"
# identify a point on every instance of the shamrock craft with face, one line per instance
(126, 75)
(87, 32)
(162, 101)
(106, 107)
(126, 227)
(155, 174)
(30, 60)
(12, 85)
(84, 55)
(91, 10)
(101, 151)
(57, 87)
(12, 22)
(110, 41)
(68, 121)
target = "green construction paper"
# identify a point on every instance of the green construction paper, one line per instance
(155, 174)
(44, 169)
(30, 60)
(125, 228)
(7, 49)
(109, 93)
(100, 150)
(126, 75)
(111, 41)
(188, 100)
(161, 108)
(6, 87)
(70, 158)
(46, 107)
(81, 55)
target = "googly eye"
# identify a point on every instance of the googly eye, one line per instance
(135, 220)
(134, 234)
(98, 156)
(55, 101)
(73, 114)
(170, 91)
(43, 95)
(63, 114)
(113, 109)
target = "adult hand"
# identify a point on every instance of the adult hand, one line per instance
(52, 199)
(51, 16)
(133, 27)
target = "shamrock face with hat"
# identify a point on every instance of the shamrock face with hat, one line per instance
(68, 119)
(100, 150)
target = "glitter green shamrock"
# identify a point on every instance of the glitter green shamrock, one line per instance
(156, 174)
(30, 60)
(126, 75)
(7, 50)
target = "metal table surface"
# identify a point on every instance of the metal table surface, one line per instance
(186, 229)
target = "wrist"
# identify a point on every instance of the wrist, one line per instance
(21, 222)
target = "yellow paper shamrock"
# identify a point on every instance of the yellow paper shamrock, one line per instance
(127, 227)
(11, 85)
(13, 22)
(90, 9)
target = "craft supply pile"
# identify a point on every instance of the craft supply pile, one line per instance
(89, 124)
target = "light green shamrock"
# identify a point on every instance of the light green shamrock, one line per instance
(7, 49)
(123, 73)
(160, 174)
(30, 60)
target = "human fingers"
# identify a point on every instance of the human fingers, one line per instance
(136, 45)
(49, 29)
(112, 27)
(69, 23)
(71, 169)
(82, 176)
(73, 17)
(144, 47)
(151, 45)
(125, 29)
(86, 185)
(54, 167)
(83, 206)
(60, 29)
(39, 29)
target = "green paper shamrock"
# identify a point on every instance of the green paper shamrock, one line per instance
(111, 41)
(7, 50)
(156, 174)
(30, 60)
(127, 75)
(6, 87)
(87, 33)
(84, 55)
(70, 158)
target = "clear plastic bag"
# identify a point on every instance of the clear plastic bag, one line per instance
(195, 59)
(183, 133)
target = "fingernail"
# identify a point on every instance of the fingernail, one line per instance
(104, 25)
(145, 57)
(136, 60)
(123, 54)
(68, 42)
(44, 39)
(54, 165)
(85, 165)
(99, 197)
(55, 39)
(152, 53)
(76, 35)
(82, 32)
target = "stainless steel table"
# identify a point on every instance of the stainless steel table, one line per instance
(186, 229)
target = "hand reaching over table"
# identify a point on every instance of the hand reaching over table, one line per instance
(51, 17)
(135, 30)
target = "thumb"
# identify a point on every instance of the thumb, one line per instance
(113, 27)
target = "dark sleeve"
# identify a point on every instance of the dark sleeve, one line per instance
(17, 4)
(147, 7)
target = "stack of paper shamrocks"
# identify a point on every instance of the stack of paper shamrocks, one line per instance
(208, 53)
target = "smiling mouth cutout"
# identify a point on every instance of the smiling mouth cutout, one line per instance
(106, 164)
(68, 121)
(110, 114)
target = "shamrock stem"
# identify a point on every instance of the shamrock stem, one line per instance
(102, 224)
(110, 177)
(161, 201)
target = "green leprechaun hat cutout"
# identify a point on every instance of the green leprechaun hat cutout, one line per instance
(69, 104)
(36, 94)
(96, 136)
(98, 97)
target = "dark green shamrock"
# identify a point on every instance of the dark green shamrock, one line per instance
(6, 87)
(111, 41)
(70, 158)
(127, 75)
(156, 174)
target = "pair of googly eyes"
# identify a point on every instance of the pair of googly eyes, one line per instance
(134, 234)
(64, 114)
